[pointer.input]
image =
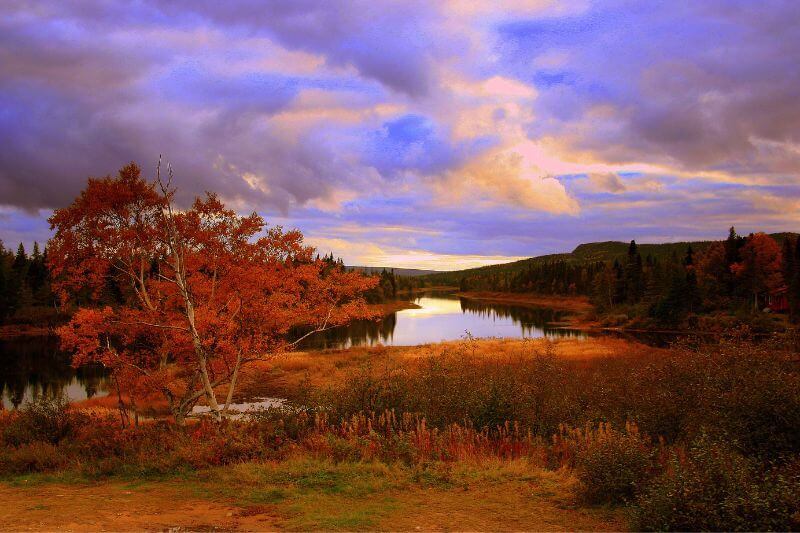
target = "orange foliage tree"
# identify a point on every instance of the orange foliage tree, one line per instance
(199, 293)
(760, 267)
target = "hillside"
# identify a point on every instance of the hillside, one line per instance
(583, 253)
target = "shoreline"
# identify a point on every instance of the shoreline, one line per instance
(387, 308)
(562, 303)
(580, 315)
(578, 307)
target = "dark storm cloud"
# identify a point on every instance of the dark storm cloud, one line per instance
(386, 41)
(76, 102)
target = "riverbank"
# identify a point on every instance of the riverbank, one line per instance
(576, 304)
(290, 375)
(387, 308)
(580, 310)
(582, 315)
(314, 487)
(287, 375)
(470, 435)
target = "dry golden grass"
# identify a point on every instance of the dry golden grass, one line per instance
(283, 375)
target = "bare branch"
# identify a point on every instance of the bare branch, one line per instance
(324, 327)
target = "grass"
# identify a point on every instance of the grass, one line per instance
(303, 493)
(314, 494)
(422, 437)
(286, 375)
(64, 477)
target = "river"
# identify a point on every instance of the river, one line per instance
(445, 317)
(34, 366)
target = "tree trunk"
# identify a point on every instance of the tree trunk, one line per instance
(196, 342)
(211, 398)
(232, 386)
(123, 412)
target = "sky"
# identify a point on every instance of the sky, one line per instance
(437, 135)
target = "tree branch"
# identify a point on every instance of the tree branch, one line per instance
(164, 326)
(324, 327)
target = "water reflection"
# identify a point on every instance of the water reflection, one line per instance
(444, 317)
(34, 367)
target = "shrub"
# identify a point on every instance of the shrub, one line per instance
(456, 387)
(611, 465)
(715, 488)
(754, 399)
(32, 457)
(42, 420)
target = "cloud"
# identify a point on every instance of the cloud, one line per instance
(367, 253)
(697, 87)
(607, 182)
(461, 129)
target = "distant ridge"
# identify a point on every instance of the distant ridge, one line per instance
(406, 272)
(584, 253)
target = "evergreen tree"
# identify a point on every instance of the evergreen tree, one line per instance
(733, 245)
(692, 291)
(17, 280)
(24, 281)
(672, 307)
(634, 282)
(620, 287)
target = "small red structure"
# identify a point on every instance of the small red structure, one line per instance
(778, 301)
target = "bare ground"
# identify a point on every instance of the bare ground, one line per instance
(541, 502)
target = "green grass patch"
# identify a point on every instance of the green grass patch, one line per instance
(308, 493)
(266, 496)
(66, 477)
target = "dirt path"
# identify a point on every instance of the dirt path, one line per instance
(515, 509)
(118, 507)
(539, 505)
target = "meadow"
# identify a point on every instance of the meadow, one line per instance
(479, 434)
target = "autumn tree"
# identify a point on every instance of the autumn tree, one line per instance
(604, 287)
(713, 275)
(203, 291)
(759, 269)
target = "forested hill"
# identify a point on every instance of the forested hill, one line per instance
(607, 251)
(406, 272)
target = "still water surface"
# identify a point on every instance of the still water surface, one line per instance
(445, 317)
(33, 366)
